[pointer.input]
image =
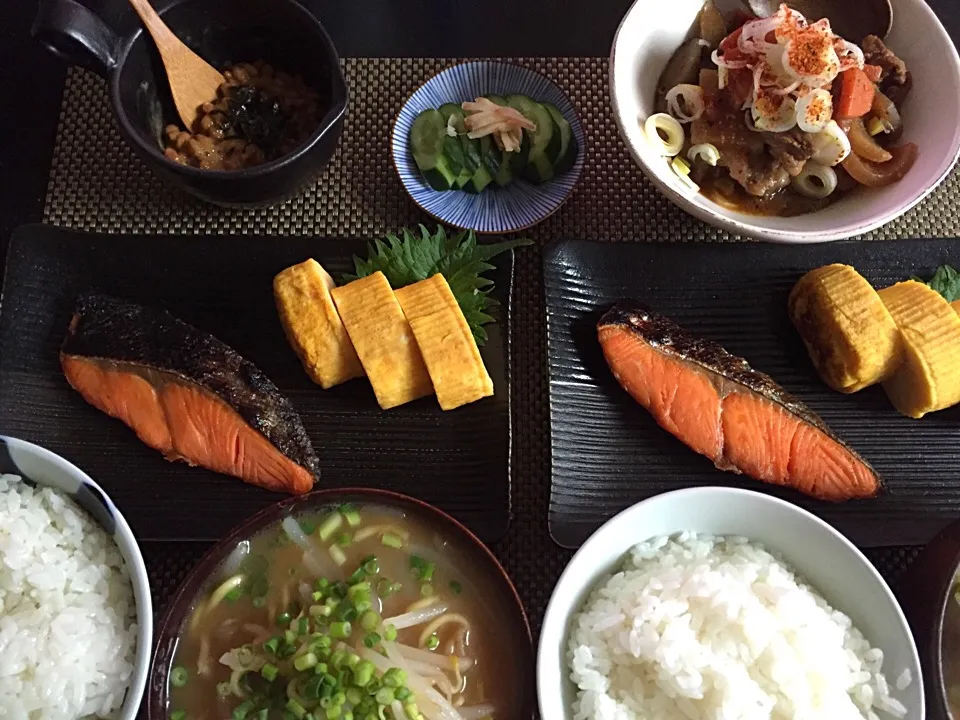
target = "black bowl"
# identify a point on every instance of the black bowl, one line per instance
(281, 32)
(926, 588)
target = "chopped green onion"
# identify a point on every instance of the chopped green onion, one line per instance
(303, 626)
(369, 620)
(371, 640)
(296, 708)
(329, 526)
(241, 711)
(308, 526)
(426, 572)
(385, 696)
(358, 576)
(179, 676)
(305, 662)
(263, 714)
(344, 539)
(433, 642)
(321, 584)
(338, 555)
(426, 590)
(272, 644)
(392, 540)
(370, 564)
(234, 594)
(385, 588)
(317, 596)
(259, 602)
(340, 630)
(403, 693)
(283, 619)
(359, 591)
(412, 711)
(178, 715)
(363, 606)
(363, 673)
(390, 633)
(351, 660)
(269, 672)
(354, 696)
(394, 677)
(289, 637)
(312, 689)
(320, 611)
(456, 587)
(346, 611)
(350, 514)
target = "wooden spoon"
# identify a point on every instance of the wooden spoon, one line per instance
(852, 20)
(193, 81)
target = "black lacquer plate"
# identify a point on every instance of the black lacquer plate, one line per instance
(458, 460)
(608, 453)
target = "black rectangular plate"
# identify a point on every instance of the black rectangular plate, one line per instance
(608, 452)
(458, 460)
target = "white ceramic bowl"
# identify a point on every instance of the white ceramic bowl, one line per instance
(822, 556)
(43, 467)
(652, 31)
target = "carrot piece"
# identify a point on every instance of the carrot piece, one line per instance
(856, 94)
(873, 72)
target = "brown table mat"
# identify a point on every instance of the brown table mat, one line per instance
(96, 183)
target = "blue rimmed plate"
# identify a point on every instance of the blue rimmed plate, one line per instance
(520, 204)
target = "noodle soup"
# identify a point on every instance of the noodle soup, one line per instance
(356, 613)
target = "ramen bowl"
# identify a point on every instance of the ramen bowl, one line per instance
(651, 32)
(348, 586)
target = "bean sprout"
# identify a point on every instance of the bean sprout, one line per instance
(685, 102)
(665, 134)
(815, 181)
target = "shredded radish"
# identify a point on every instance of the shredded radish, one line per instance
(418, 617)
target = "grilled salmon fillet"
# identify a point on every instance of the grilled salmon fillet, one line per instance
(186, 394)
(724, 409)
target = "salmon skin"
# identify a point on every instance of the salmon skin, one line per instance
(721, 407)
(186, 394)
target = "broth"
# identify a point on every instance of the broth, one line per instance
(282, 611)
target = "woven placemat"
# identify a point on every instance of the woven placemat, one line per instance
(97, 183)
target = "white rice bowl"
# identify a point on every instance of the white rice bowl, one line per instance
(68, 631)
(697, 626)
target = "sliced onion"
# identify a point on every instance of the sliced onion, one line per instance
(781, 119)
(814, 111)
(706, 152)
(731, 64)
(669, 127)
(685, 102)
(831, 145)
(886, 112)
(850, 54)
(753, 37)
(815, 181)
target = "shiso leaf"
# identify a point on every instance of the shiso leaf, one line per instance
(946, 281)
(410, 257)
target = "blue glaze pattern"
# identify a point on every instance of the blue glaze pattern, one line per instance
(520, 204)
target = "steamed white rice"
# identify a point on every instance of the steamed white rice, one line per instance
(67, 615)
(709, 627)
